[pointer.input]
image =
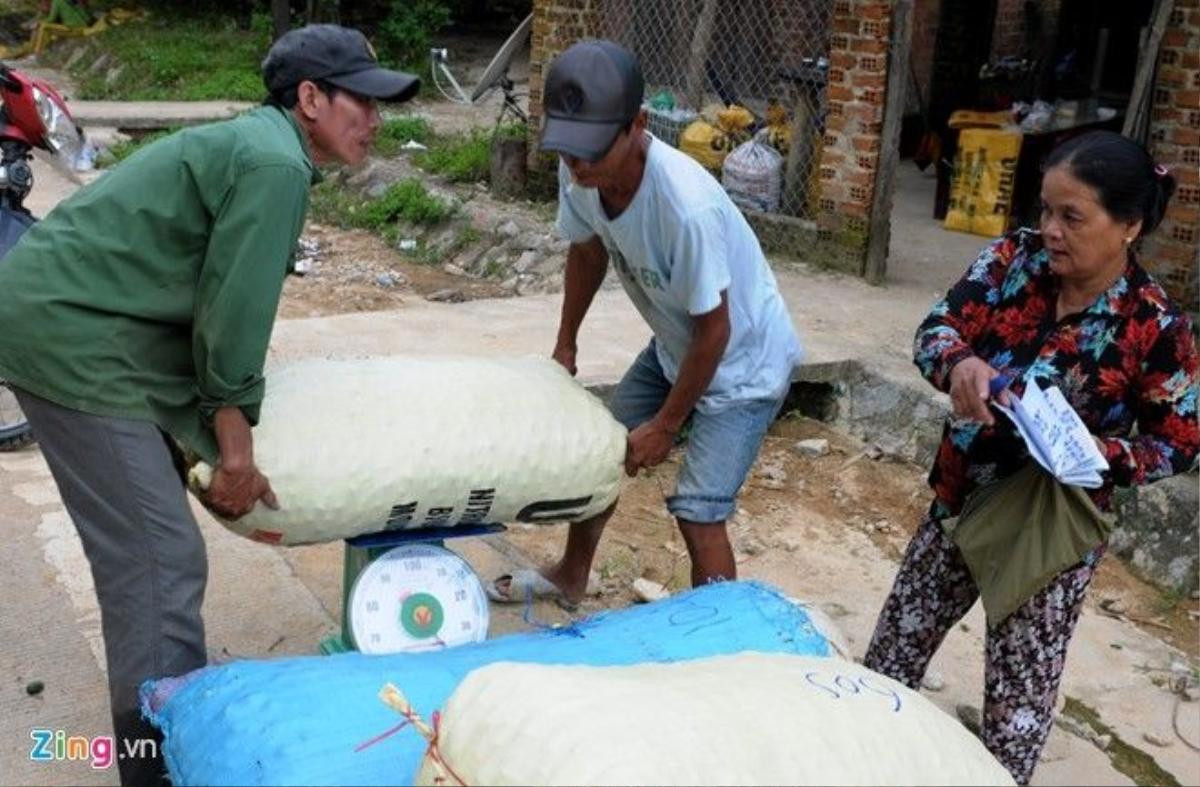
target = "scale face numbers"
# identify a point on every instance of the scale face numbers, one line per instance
(417, 597)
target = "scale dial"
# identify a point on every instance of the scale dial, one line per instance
(416, 597)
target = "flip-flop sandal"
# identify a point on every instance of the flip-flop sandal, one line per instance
(525, 584)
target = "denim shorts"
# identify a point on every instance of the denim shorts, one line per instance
(721, 447)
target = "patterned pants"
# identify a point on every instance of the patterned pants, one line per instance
(1025, 652)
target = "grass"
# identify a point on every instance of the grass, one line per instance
(493, 269)
(466, 158)
(1168, 601)
(407, 200)
(123, 150)
(181, 58)
(464, 237)
(463, 158)
(1129, 760)
(395, 132)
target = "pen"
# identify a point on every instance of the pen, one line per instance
(998, 384)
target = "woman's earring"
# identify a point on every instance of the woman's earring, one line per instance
(1128, 241)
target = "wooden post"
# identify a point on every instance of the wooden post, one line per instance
(281, 16)
(797, 171)
(697, 73)
(508, 166)
(880, 227)
(1137, 114)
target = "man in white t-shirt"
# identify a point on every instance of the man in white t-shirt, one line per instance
(724, 346)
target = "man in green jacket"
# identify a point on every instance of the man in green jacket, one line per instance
(137, 315)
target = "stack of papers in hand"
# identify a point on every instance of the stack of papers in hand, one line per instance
(1056, 436)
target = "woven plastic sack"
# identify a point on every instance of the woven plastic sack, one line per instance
(753, 176)
(981, 191)
(750, 718)
(312, 720)
(361, 446)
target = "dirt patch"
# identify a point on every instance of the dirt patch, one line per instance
(792, 503)
(356, 271)
(786, 499)
(1175, 619)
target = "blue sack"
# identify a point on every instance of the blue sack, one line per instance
(318, 719)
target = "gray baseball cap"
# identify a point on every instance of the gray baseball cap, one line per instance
(338, 55)
(593, 90)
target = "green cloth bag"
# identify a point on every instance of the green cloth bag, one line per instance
(1019, 533)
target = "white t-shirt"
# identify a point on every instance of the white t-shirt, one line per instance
(676, 246)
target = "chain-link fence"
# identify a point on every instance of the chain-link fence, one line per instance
(768, 57)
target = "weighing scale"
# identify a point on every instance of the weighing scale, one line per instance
(402, 590)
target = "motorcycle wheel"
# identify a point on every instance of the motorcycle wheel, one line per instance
(14, 427)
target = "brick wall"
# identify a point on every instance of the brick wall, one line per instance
(1172, 253)
(924, 36)
(853, 128)
(556, 25)
(1008, 33)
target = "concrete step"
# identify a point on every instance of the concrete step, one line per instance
(143, 115)
(105, 136)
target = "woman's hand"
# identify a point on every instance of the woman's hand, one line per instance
(969, 390)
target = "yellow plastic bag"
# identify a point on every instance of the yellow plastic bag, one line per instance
(779, 128)
(710, 144)
(981, 191)
(705, 143)
(969, 118)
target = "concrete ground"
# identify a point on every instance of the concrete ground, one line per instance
(266, 601)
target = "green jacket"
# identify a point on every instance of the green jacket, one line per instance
(150, 294)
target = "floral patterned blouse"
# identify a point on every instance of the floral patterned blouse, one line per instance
(1128, 359)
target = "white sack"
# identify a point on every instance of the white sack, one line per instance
(353, 447)
(749, 718)
(753, 176)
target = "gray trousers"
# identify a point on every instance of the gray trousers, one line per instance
(120, 484)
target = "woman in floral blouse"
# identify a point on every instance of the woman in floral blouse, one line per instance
(1070, 306)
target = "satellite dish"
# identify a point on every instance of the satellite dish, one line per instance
(495, 75)
(497, 70)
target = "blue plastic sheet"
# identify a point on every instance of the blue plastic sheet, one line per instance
(311, 720)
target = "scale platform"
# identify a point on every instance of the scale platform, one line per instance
(420, 614)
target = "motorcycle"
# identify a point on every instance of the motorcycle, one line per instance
(33, 119)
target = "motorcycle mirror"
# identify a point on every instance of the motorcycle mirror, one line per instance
(8, 81)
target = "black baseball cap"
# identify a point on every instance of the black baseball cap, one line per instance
(338, 55)
(593, 90)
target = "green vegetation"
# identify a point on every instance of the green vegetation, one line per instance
(404, 33)
(512, 131)
(123, 150)
(331, 203)
(183, 51)
(1168, 601)
(460, 159)
(182, 57)
(466, 158)
(407, 200)
(1129, 760)
(463, 238)
(396, 131)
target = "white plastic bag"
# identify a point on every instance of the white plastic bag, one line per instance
(753, 176)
